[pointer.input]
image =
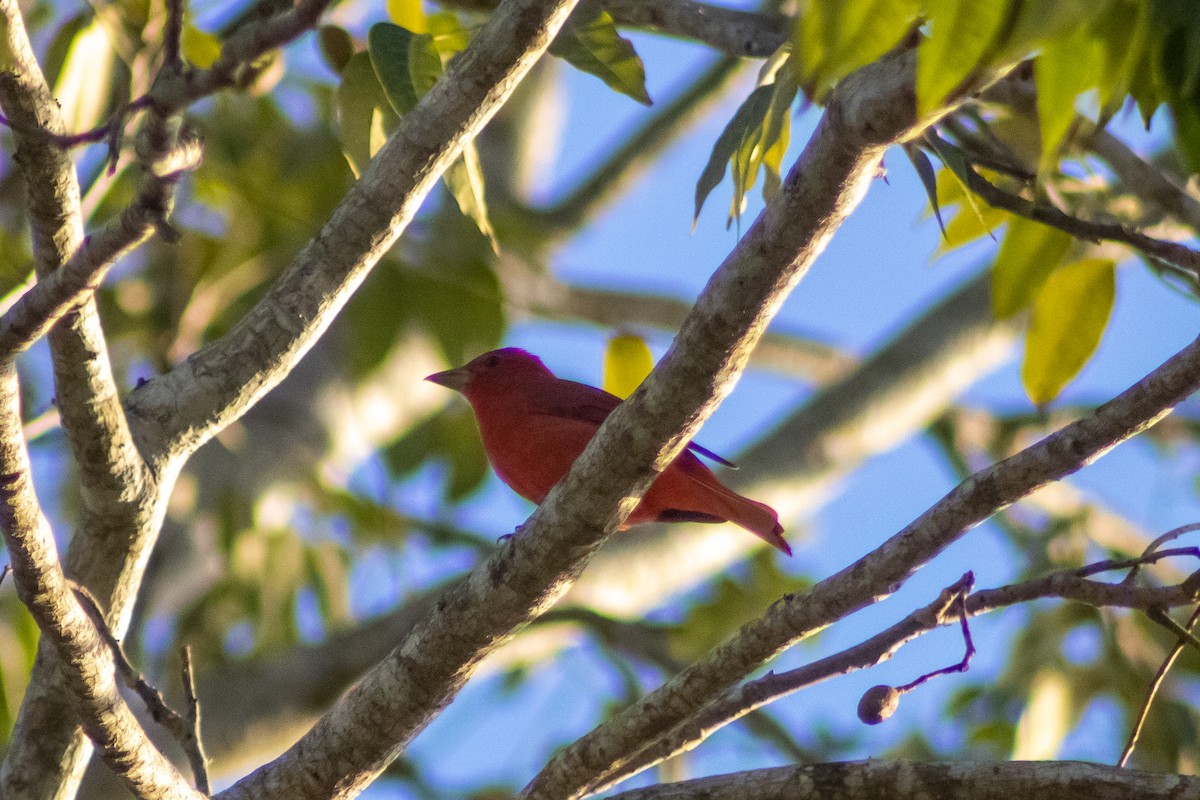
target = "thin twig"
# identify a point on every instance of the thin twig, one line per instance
(4, 572)
(1151, 692)
(193, 745)
(961, 591)
(1172, 253)
(155, 703)
(172, 44)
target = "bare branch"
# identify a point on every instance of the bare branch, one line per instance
(193, 745)
(73, 283)
(112, 475)
(1062, 780)
(83, 654)
(945, 610)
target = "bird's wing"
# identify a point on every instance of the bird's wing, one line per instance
(573, 400)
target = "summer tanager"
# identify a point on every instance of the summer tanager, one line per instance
(534, 425)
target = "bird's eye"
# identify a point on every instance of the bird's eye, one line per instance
(493, 361)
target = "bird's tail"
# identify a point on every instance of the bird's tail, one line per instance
(758, 518)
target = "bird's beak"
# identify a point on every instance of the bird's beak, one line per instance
(454, 379)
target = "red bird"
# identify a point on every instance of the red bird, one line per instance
(534, 425)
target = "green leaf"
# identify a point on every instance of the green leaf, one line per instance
(1029, 253)
(745, 127)
(928, 177)
(589, 42)
(464, 179)
(962, 34)
(407, 64)
(1066, 68)
(1069, 317)
(1123, 35)
(448, 33)
(835, 37)
(336, 46)
(1040, 22)
(365, 116)
(408, 14)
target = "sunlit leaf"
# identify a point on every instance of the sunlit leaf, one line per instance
(589, 42)
(745, 128)
(835, 37)
(449, 35)
(627, 362)
(1029, 253)
(84, 86)
(962, 33)
(200, 47)
(408, 14)
(1069, 317)
(1066, 69)
(464, 179)
(1046, 719)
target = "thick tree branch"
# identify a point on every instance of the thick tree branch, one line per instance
(876, 575)
(46, 747)
(727, 30)
(867, 780)
(900, 389)
(398, 698)
(83, 653)
(178, 412)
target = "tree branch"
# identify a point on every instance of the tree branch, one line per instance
(865, 780)
(111, 472)
(83, 654)
(873, 577)
(1065, 585)
(398, 698)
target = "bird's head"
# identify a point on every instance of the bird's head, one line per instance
(495, 372)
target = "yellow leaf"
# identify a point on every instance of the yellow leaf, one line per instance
(627, 362)
(962, 34)
(1069, 317)
(85, 81)
(1030, 252)
(1045, 720)
(966, 226)
(201, 49)
(408, 14)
